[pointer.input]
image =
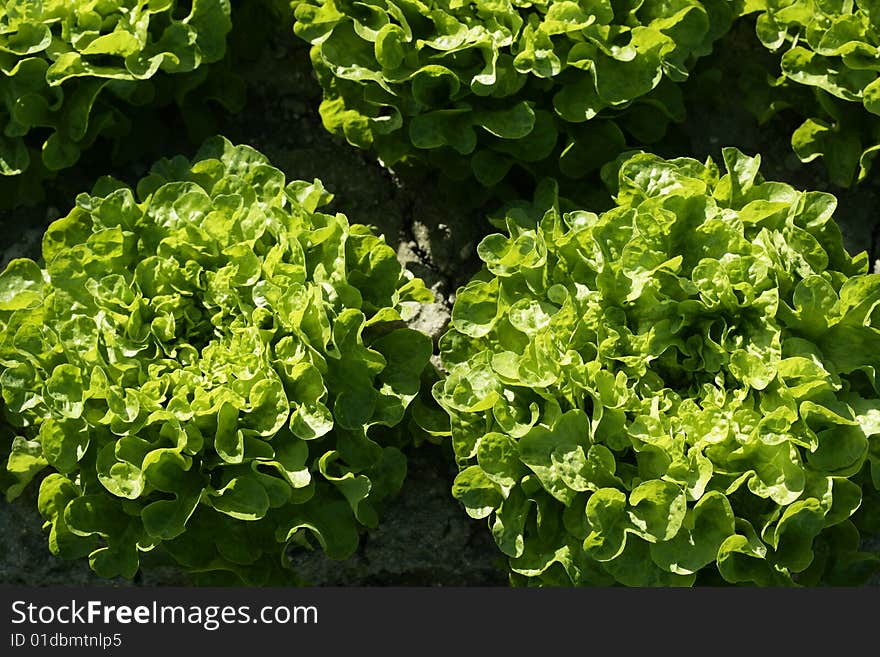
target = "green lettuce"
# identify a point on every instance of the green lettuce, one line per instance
(209, 368)
(680, 390)
(475, 89)
(68, 66)
(830, 47)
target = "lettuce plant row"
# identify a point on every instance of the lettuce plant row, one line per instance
(482, 88)
(211, 368)
(208, 367)
(682, 389)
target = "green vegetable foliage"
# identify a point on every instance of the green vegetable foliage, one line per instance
(682, 389)
(213, 370)
(474, 88)
(833, 47)
(69, 66)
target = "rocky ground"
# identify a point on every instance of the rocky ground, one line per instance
(425, 538)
